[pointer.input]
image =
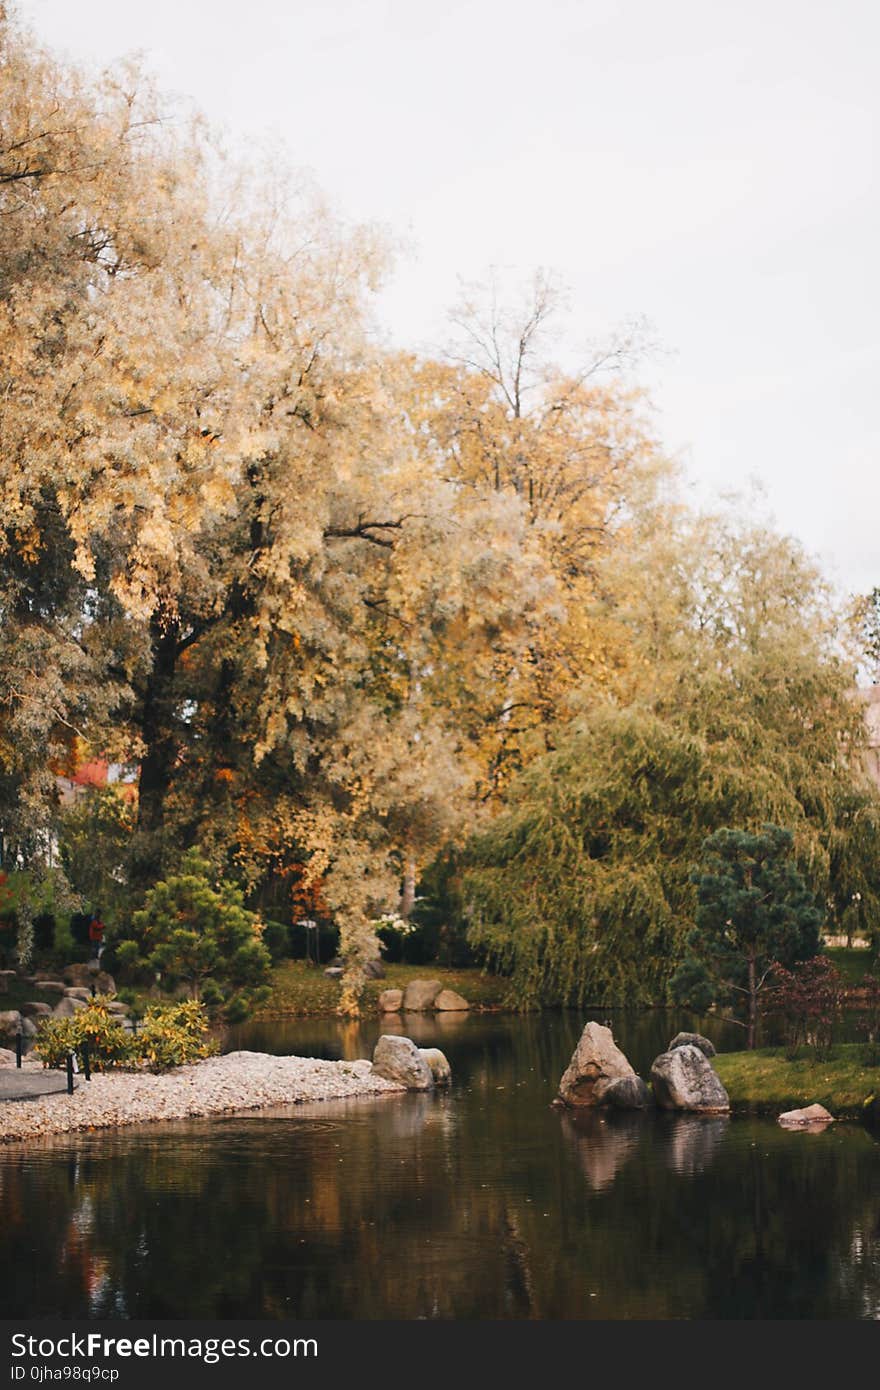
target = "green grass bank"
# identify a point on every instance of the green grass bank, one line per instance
(766, 1080)
(302, 989)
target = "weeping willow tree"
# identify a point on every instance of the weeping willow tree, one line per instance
(740, 713)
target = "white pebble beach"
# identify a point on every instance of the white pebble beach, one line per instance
(218, 1085)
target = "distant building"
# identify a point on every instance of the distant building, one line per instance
(96, 773)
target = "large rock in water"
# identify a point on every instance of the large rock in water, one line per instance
(398, 1059)
(596, 1066)
(692, 1040)
(419, 995)
(440, 1068)
(683, 1079)
(448, 1001)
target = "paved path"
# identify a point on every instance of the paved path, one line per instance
(29, 1085)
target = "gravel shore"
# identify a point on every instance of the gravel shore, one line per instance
(238, 1081)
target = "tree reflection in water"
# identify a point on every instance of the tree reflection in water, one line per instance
(479, 1203)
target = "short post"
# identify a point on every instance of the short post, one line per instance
(18, 1050)
(70, 1073)
(86, 1062)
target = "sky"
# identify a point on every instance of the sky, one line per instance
(709, 168)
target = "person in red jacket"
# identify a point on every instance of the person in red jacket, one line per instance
(96, 934)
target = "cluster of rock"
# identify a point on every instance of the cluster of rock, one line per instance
(682, 1077)
(422, 996)
(73, 992)
(417, 1068)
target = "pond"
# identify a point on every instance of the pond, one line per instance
(479, 1203)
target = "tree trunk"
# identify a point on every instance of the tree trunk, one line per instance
(753, 1005)
(159, 759)
(408, 896)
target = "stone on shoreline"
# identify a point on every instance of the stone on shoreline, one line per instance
(390, 1001)
(398, 1059)
(440, 1068)
(419, 995)
(810, 1115)
(448, 1001)
(684, 1079)
(692, 1040)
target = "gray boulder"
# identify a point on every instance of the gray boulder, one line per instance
(596, 1064)
(374, 970)
(7, 1058)
(34, 1009)
(692, 1040)
(398, 1059)
(448, 1001)
(440, 1068)
(67, 1007)
(628, 1093)
(683, 1079)
(28, 1028)
(390, 1001)
(419, 995)
(51, 986)
(10, 1023)
(78, 992)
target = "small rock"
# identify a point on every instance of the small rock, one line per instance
(10, 1023)
(419, 995)
(34, 1009)
(78, 992)
(334, 972)
(596, 1063)
(7, 1058)
(374, 970)
(398, 1059)
(810, 1115)
(448, 1001)
(28, 1028)
(683, 1079)
(692, 1040)
(390, 1001)
(440, 1068)
(51, 986)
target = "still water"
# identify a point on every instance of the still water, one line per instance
(477, 1203)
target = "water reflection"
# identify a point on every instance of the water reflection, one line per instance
(477, 1203)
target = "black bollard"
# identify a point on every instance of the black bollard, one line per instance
(70, 1073)
(86, 1062)
(18, 1050)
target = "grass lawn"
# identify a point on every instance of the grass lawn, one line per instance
(766, 1079)
(298, 988)
(853, 962)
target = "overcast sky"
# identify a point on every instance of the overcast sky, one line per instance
(710, 167)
